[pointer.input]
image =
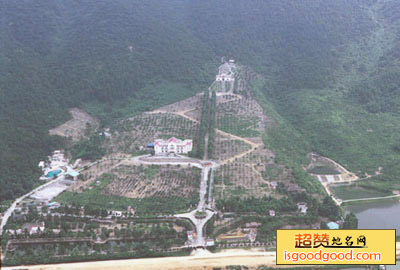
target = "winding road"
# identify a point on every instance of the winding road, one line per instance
(204, 165)
(11, 209)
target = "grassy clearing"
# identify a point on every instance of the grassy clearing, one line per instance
(324, 170)
(357, 192)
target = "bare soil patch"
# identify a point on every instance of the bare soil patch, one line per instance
(184, 105)
(81, 125)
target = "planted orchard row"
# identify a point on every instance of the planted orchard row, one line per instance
(135, 133)
(161, 181)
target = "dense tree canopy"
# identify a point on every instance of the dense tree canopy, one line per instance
(331, 71)
(350, 221)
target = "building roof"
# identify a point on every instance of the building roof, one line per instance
(333, 225)
(73, 173)
(173, 139)
(53, 203)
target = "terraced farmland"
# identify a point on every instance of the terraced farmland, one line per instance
(154, 181)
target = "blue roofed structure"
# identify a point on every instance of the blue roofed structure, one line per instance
(73, 173)
(333, 225)
(150, 145)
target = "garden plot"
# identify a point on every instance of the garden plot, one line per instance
(260, 156)
(194, 114)
(93, 172)
(263, 162)
(226, 147)
(252, 174)
(351, 192)
(133, 134)
(242, 179)
(154, 181)
(80, 126)
(243, 117)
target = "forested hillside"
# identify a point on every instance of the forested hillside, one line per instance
(331, 70)
(111, 58)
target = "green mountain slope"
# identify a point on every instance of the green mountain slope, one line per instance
(331, 71)
(113, 59)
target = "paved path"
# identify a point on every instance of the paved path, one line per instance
(199, 223)
(205, 165)
(228, 257)
(231, 159)
(183, 161)
(210, 190)
(328, 191)
(199, 240)
(374, 198)
(203, 188)
(11, 209)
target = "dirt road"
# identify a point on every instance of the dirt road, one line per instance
(205, 261)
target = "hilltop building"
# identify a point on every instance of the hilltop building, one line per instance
(224, 78)
(172, 146)
(71, 175)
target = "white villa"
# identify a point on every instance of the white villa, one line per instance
(172, 145)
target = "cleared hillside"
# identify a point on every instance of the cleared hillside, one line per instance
(330, 68)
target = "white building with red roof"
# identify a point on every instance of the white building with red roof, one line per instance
(172, 146)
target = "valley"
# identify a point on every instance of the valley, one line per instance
(172, 189)
(191, 196)
(193, 130)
